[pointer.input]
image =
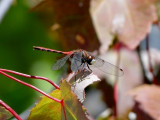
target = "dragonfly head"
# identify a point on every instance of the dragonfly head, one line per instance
(91, 60)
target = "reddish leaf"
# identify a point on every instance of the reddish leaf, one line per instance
(128, 20)
(72, 104)
(147, 98)
(75, 27)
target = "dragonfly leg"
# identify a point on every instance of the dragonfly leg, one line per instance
(77, 71)
(89, 68)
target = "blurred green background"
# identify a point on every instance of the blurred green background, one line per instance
(20, 30)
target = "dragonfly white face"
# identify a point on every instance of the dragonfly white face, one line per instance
(92, 60)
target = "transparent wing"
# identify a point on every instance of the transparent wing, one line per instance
(76, 61)
(107, 67)
(58, 64)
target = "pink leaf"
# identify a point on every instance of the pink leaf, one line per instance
(128, 20)
(132, 77)
(147, 97)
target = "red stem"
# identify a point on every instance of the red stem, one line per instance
(30, 76)
(62, 103)
(10, 110)
(149, 61)
(115, 85)
(115, 100)
(31, 86)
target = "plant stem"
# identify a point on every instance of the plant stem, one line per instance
(31, 76)
(2, 71)
(31, 86)
(10, 110)
(115, 85)
(62, 103)
(142, 66)
(115, 100)
(149, 60)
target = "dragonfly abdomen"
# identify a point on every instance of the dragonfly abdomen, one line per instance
(51, 50)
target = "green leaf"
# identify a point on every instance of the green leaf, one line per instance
(48, 109)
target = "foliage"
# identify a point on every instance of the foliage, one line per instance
(111, 29)
(51, 110)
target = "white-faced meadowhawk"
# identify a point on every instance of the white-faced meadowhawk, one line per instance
(81, 59)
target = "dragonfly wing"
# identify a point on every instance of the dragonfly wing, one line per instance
(76, 62)
(107, 67)
(58, 64)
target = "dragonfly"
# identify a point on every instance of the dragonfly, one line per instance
(81, 60)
